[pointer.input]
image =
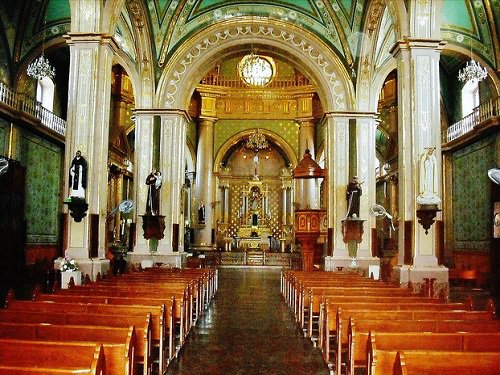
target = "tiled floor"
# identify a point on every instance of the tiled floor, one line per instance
(249, 330)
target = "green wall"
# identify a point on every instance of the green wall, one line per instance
(43, 161)
(286, 129)
(4, 136)
(43, 180)
(471, 195)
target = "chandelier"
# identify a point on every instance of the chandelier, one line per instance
(41, 68)
(257, 141)
(256, 70)
(472, 71)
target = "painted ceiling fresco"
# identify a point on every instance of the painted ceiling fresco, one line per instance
(337, 22)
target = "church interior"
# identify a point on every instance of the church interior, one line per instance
(329, 136)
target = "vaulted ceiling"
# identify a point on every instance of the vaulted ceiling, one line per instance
(473, 24)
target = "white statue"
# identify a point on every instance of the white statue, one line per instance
(428, 178)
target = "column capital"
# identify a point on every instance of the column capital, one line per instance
(88, 38)
(162, 112)
(416, 43)
(349, 115)
(305, 121)
(206, 120)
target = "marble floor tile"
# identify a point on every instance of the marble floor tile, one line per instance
(248, 329)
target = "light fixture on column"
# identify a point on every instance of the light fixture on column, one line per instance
(257, 141)
(41, 67)
(472, 71)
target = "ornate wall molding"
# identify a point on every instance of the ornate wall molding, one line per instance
(331, 75)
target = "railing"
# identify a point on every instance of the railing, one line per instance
(232, 82)
(480, 114)
(24, 103)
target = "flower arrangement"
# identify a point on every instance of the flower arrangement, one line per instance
(68, 264)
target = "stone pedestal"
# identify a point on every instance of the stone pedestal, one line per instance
(415, 276)
(88, 266)
(175, 260)
(67, 275)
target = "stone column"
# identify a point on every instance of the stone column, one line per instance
(143, 164)
(337, 163)
(204, 181)
(225, 215)
(284, 215)
(172, 164)
(365, 170)
(419, 128)
(87, 130)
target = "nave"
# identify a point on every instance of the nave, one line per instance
(249, 330)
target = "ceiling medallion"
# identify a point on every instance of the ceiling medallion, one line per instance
(256, 70)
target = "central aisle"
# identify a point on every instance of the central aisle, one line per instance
(249, 330)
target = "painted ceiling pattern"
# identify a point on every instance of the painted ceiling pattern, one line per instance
(338, 22)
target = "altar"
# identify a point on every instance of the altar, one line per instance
(249, 243)
(253, 237)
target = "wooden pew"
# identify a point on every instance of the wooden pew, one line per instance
(142, 326)
(330, 304)
(181, 307)
(170, 346)
(358, 332)
(428, 341)
(324, 293)
(158, 317)
(119, 344)
(338, 330)
(17, 355)
(439, 363)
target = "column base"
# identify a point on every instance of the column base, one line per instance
(361, 264)
(88, 266)
(66, 276)
(175, 260)
(413, 276)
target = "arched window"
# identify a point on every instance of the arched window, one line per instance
(470, 97)
(45, 93)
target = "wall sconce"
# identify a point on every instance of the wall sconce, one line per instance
(426, 215)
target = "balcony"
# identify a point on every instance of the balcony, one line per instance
(483, 120)
(21, 107)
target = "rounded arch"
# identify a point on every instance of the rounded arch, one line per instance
(122, 59)
(399, 15)
(144, 82)
(234, 140)
(190, 157)
(456, 50)
(378, 81)
(322, 66)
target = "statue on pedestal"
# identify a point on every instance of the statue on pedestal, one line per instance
(201, 213)
(78, 176)
(154, 181)
(353, 193)
(428, 178)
